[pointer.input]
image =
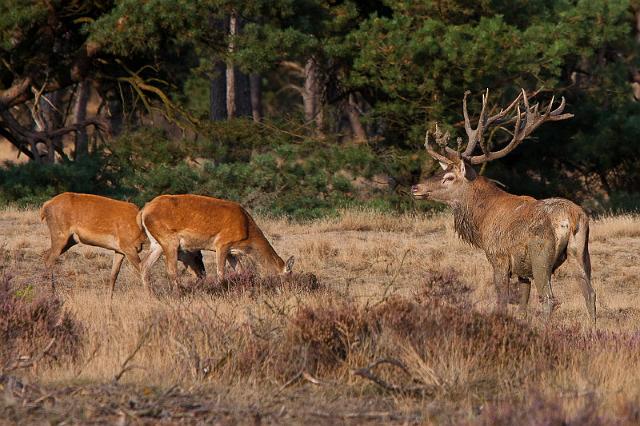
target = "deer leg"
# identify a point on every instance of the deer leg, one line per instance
(542, 265)
(193, 261)
(233, 262)
(524, 286)
(115, 269)
(578, 248)
(171, 259)
(222, 253)
(501, 283)
(59, 245)
(155, 250)
(134, 259)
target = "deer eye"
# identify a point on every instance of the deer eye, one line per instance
(448, 177)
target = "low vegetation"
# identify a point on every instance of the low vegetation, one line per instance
(380, 323)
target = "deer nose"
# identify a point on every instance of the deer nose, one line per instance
(414, 189)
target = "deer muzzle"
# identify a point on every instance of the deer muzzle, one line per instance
(418, 191)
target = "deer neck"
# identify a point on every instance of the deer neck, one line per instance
(266, 255)
(471, 209)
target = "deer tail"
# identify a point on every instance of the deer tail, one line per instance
(139, 219)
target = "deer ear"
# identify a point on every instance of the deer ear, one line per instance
(289, 265)
(463, 168)
(467, 171)
(443, 165)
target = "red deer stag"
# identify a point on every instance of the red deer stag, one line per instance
(95, 221)
(521, 236)
(176, 223)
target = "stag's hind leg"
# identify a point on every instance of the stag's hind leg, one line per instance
(578, 248)
(542, 259)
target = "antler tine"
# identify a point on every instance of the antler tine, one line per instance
(503, 112)
(557, 115)
(474, 135)
(553, 98)
(433, 153)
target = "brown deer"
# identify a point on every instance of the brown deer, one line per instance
(101, 222)
(521, 236)
(176, 223)
(96, 221)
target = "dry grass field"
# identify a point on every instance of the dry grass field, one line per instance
(399, 329)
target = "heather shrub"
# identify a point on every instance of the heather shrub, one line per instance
(30, 319)
(249, 283)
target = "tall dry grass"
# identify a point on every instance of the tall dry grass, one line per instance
(398, 317)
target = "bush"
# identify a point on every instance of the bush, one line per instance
(30, 320)
(32, 183)
(264, 170)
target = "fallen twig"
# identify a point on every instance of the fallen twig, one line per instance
(139, 345)
(368, 374)
(26, 363)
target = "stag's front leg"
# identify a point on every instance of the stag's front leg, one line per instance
(524, 287)
(501, 283)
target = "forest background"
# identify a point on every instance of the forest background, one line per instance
(304, 107)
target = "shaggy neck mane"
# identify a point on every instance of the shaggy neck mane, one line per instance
(479, 201)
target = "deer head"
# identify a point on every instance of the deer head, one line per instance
(450, 184)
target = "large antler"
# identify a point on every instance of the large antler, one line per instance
(475, 135)
(525, 123)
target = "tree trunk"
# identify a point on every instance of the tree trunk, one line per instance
(353, 113)
(114, 113)
(243, 94)
(231, 75)
(218, 96)
(50, 107)
(311, 95)
(80, 115)
(238, 86)
(637, 13)
(635, 84)
(255, 81)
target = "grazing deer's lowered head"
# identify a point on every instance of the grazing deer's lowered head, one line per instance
(520, 235)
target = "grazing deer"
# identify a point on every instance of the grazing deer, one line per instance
(176, 223)
(95, 221)
(521, 236)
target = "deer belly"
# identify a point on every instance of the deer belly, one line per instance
(108, 241)
(196, 242)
